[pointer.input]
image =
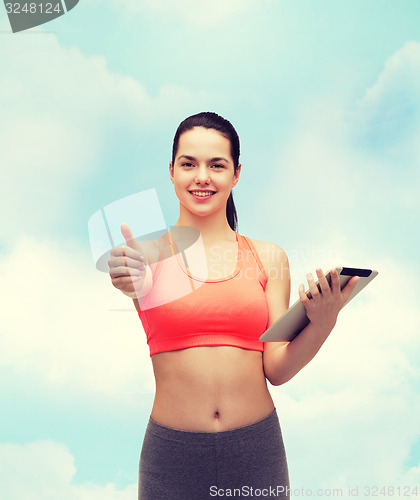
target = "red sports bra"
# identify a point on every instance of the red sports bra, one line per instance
(182, 311)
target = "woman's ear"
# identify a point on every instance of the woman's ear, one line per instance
(236, 175)
(171, 173)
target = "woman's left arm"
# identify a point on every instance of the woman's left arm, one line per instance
(282, 361)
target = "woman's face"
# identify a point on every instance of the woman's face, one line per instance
(203, 162)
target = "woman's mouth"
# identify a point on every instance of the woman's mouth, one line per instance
(202, 195)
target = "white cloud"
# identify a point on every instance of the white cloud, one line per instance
(44, 470)
(388, 115)
(340, 189)
(326, 171)
(412, 476)
(58, 322)
(401, 72)
(204, 14)
(57, 108)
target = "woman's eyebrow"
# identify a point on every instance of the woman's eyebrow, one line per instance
(219, 158)
(216, 158)
(187, 157)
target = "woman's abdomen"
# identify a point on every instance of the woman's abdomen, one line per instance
(210, 389)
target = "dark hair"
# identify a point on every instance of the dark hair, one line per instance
(213, 120)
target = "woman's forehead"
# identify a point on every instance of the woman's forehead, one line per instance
(204, 141)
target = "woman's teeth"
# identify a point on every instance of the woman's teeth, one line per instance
(199, 193)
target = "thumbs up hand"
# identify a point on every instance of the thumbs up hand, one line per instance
(128, 265)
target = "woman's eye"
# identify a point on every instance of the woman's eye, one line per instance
(188, 164)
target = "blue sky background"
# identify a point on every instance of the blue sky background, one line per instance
(325, 97)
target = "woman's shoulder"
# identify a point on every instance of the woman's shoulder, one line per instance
(269, 253)
(265, 247)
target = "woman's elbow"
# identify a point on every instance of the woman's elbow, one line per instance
(275, 377)
(277, 380)
(275, 369)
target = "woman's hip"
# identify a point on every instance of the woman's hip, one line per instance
(178, 464)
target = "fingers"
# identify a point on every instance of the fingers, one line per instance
(322, 288)
(335, 282)
(122, 271)
(317, 290)
(312, 287)
(136, 261)
(126, 284)
(322, 280)
(119, 267)
(127, 251)
(125, 261)
(313, 292)
(302, 295)
(126, 281)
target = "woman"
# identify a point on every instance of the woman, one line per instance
(213, 430)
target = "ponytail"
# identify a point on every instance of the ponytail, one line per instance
(231, 215)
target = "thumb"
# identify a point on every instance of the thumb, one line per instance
(348, 289)
(128, 235)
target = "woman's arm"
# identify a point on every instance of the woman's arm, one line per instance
(283, 360)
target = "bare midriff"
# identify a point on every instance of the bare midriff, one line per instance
(210, 388)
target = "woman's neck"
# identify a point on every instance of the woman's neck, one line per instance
(210, 230)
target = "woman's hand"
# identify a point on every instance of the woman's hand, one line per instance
(323, 308)
(127, 265)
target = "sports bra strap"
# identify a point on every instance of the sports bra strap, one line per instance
(172, 243)
(256, 257)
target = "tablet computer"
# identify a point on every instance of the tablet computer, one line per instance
(294, 319)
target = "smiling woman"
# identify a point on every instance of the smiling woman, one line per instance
(196, 170)
(213, 423)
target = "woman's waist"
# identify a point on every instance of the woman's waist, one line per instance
(264, 418)
(216, 413)
(213, 388)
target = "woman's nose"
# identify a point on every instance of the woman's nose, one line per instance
(202, 175)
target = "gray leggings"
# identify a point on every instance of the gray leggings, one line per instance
(247, 462)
